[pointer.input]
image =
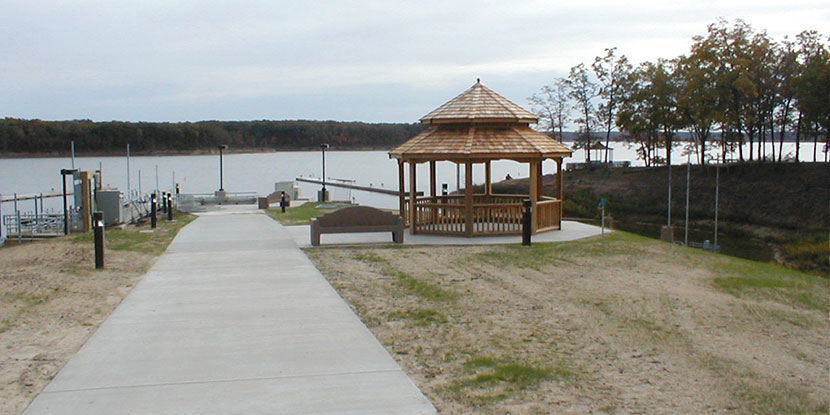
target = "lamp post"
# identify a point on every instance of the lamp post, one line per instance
(64, 173)
(221, 178)
(323, 197)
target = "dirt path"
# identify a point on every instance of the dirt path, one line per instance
(631, 327)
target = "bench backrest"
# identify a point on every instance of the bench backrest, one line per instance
(357, 216)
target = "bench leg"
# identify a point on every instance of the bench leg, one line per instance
(315, 235)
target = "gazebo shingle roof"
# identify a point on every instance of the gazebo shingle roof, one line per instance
(479, 124)
(477, 142)
(479, 104)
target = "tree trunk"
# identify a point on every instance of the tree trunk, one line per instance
(608, 132)
(783, 129)
(798, 137)
(762, 142)
(741, 145)
(772, 134)
(815, 145)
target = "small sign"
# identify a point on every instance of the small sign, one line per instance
(603, 203)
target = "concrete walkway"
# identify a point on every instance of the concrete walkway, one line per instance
(232, 319)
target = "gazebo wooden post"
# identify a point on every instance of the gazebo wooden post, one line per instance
(533, 194)
(432, 180)
(401, 191)
(413, 213)
(488, 182)
(432, 191)
(468, 199)
(560, 188)
(539, 176)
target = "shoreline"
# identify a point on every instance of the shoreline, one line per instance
(163, 153)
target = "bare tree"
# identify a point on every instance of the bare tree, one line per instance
(610, 71)
(552, 106)
(583, 91)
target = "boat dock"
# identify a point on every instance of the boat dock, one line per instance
(354, 186)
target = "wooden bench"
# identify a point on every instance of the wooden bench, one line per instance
(357, 219)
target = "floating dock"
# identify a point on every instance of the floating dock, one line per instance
(355, 187)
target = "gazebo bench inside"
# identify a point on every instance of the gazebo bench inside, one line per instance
(357, 219)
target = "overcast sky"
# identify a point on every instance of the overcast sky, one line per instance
(374, 61)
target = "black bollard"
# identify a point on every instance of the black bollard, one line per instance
(153, 211)
(169, 207)
(98, 229)
(282, 202)
(163, 202)
(526, 222)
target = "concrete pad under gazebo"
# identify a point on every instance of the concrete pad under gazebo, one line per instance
(477, 127)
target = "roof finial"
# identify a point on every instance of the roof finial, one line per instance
(478, 80)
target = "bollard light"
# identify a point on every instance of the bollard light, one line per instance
(169, 207)
(153, 211)
(98, 230)
(323, 148)
(221, 173)
(527, 217)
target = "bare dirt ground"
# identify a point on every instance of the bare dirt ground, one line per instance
(52, 299)
(633, 326)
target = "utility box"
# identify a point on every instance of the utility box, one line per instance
(291, 189)
(109, 202)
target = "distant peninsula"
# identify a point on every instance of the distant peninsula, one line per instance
(34, 138)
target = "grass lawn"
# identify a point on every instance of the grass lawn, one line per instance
(302, 215)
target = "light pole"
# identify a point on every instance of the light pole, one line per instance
(221, 178)
(64, 173)
(323, 195)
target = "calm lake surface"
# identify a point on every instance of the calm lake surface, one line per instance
(258, 173)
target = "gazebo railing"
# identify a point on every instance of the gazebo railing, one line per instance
(548, 214)
(440, 218)
(492, 214)
(497, 219)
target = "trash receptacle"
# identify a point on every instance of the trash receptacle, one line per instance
(262, 202)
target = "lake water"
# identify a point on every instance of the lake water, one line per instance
(258, 173)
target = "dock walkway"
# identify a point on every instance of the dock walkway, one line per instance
(232, 319)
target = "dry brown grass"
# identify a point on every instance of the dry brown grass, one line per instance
(629, 326)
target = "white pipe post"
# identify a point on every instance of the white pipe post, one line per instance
(129, 190)
(688, 171)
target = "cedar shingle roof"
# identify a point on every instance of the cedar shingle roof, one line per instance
(476, 141)
(479, 124)
(479, 104)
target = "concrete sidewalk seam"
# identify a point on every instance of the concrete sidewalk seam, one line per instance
(207, 382)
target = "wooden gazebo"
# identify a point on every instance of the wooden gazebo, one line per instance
(477, 127)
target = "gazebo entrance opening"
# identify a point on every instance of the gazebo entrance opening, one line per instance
(471, 213)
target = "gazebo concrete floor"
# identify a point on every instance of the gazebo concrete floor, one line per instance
(570, 231)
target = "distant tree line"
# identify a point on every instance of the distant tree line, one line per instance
(735, 88)
(36, 136)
